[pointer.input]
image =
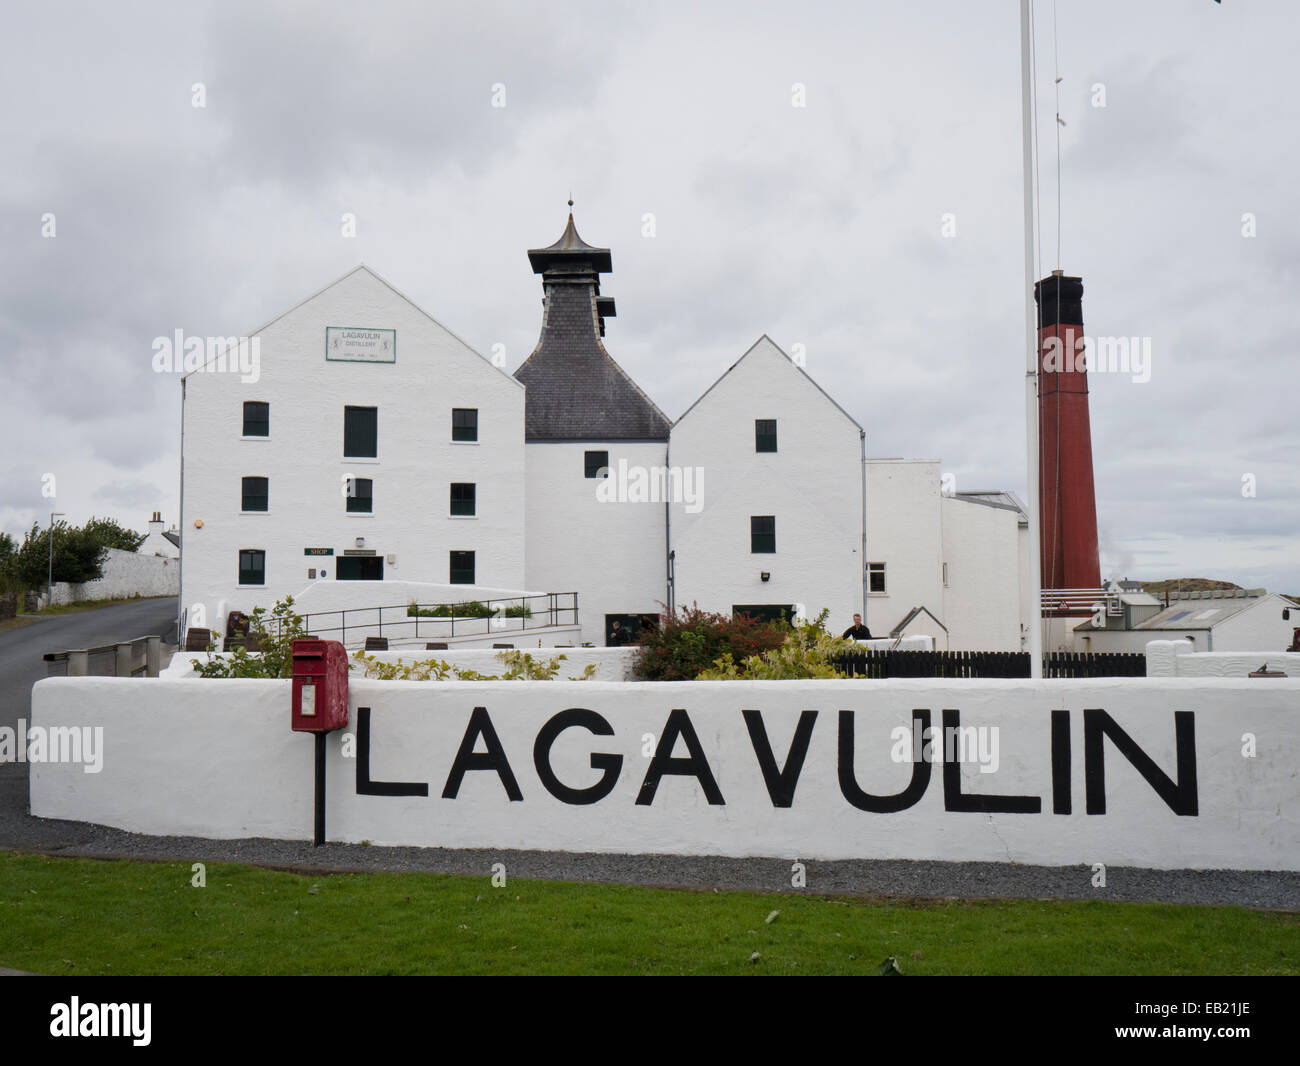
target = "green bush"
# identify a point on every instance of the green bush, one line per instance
(808, 652)
(274, 633)
(469, 609)
(690, 641)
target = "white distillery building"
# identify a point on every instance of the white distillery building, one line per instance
(375, 458)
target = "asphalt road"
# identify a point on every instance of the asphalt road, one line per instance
(21, 666)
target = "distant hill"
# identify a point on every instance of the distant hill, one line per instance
(1186, 584)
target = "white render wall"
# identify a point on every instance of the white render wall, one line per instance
(218, 759)
(123, 575)
(812, 485)
(303, 457)
(612, 554)
(981, 601)
(1174, 658)
(1259, 626)
(905, 532)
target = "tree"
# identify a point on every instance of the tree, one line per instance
(79, 552)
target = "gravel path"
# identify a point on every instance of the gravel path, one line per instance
(886, 878)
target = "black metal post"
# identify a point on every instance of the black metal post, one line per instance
(320, 790)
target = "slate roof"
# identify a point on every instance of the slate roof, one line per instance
(575, 390)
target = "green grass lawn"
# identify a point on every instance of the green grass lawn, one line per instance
(81, 916)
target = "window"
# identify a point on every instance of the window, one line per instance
(462, 498)
(765, 434)
(595, 464)
(252, 567)
(762, 533)
(257, 419)
(361, 432)
(462, 568)
(252, 495)
(361, 495)
(464, 423)
(765, 612)
(875, 577)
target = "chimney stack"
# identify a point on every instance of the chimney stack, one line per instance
(1067, 495)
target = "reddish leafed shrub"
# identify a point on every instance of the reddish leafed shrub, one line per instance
(690, 640)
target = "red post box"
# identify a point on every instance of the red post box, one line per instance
(320, 685)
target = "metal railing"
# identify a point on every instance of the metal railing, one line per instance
(1075, 601)
(141, 657)
(514, 614)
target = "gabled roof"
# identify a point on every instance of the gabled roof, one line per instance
(898, 629)
(795, 365)
(361, 268)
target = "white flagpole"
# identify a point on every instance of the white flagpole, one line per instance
(1034, 574)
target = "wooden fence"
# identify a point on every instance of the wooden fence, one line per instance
(880, 663)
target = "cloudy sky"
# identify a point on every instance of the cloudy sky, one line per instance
(821, 225)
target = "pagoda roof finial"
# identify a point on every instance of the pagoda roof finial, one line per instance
(569, 249)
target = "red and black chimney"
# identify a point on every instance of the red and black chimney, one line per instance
(1067, 496)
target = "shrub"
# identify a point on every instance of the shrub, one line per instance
(276, 656)
(690, 641)
(808, 652)
(469, 609)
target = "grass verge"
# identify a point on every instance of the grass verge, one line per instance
(82, 916)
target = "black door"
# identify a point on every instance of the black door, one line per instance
(359, 568)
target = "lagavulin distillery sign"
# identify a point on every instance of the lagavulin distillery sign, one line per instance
(350, 344)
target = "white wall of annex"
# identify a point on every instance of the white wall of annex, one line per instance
(812, 485)
(982, 598)
(904, 531)
(612, 553)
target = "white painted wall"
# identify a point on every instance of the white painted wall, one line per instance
(981, 602)
(303, 457)
(905, 532)
(612, 554)
(217, 759)
(613, 664)
(124, 574)
(1173, 658)
(1258, 626)
(812, 485)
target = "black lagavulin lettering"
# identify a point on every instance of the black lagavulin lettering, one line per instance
(609, 763)
(900, 801)
(1180, 796)
(1062, 803)
(780, 781)
(953, 797)
(696, 765)
(480, 725)
(367, 787)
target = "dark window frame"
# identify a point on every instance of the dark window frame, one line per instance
(358, 497)
(764, 434)
(453, 569)
(872, 574)
(464, 428)
(257, 555)
(591, 468)
(245, 496)
(264, 421)
(357, 431)
(467, 499)
(762, 534)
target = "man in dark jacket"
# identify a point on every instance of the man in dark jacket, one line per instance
(857, 631)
